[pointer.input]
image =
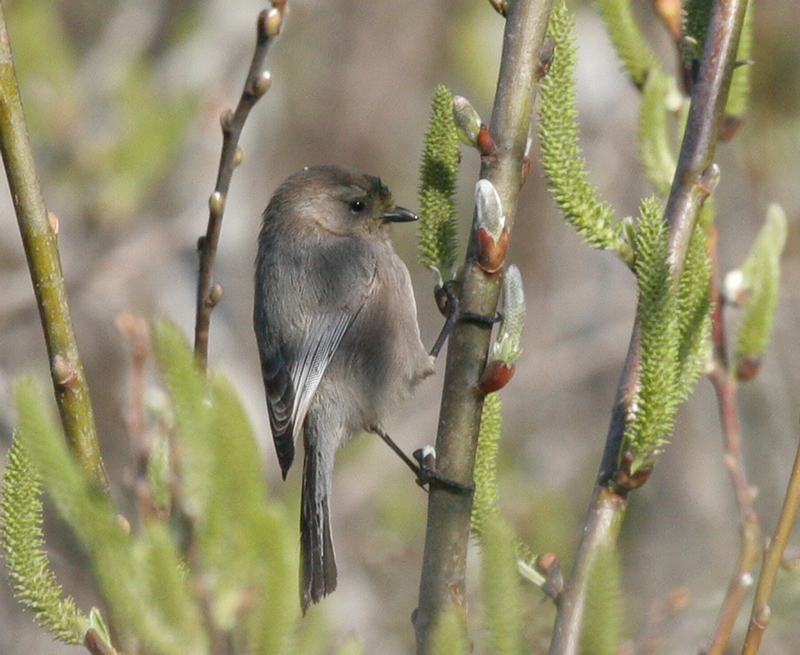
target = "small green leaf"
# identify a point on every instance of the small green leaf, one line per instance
(186, 387)
(632, 49)
(602, 626)
(137, 612)
(438, 177)
(35, 584)
(501, 588)
(657, 395)
(484, 473)
(655, 149)
(449, 635)
(739, 92)
(697, 16)
(694, 306)
(761, 279)
(562, 158)
(246, 546)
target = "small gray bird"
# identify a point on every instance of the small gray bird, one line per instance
(336, 325)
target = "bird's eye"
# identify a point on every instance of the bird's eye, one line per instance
(357, 206)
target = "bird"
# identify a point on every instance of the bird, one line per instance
(338, 339)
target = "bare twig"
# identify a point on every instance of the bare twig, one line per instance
(694, 179)
(759, 618)
(442, 582)
(750, 542)
(39, 238)
(256, 85)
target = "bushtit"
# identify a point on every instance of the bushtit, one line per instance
(336, 325)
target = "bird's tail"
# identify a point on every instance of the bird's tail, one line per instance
(317, 557)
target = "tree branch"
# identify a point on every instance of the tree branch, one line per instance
(256, 85)
(695, 178)
(724, 383)
(759, 618)
(442, 583)
(39, 239)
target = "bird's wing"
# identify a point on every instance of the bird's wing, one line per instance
(291, 380)
(280, 392)
(324, 336)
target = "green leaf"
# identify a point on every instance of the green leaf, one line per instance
(449, 636)
(657, 396)
(484, 473)
(187, 389)
(501, 592)
(137, 613)
(165, 583)
(694, 305)
(697, 17)
(35, 584)
(739, 92)
(246, 546)
(761, 279)
(655, 148)
(438, 178)
(632, 50)
(601, 630)
(562, 158)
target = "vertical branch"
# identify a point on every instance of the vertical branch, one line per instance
(39, 239)
(750, 540)
(442, 583)
(759, 619)
(256, 85)
(695, 178)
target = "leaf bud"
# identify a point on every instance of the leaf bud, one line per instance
(468, 122)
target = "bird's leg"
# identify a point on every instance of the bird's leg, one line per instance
(425, 467)
(451, 304)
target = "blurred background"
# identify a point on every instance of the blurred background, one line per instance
(123, 100)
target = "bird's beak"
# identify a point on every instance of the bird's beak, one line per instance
(399, 215)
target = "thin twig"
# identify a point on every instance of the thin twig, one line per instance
(39, 239)
(694, 179)
(750, 541)
(759, 618)
(256, 85)
(442, 584)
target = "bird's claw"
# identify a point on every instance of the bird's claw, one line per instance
(428, 476)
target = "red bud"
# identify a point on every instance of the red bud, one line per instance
(495, 376)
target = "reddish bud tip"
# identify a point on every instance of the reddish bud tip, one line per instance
(490, 253)
(748, 368)
(495, 376)
(485, 143)
(526, 169)
(545, 57)
(730, 127)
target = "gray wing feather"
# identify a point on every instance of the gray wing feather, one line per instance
(325, 335)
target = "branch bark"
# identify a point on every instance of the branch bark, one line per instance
(39, 239)
(442, 585)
